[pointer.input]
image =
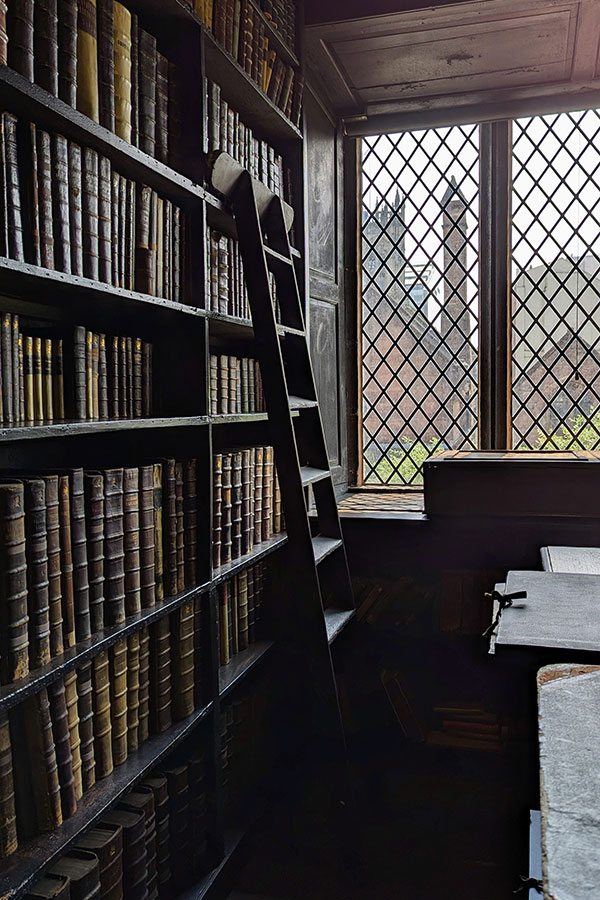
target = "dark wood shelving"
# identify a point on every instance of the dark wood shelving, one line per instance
(18, 871)
(276, 42)
(203, 885)
(43, 431)
(248, 559)
(29, 100)
(239, 665)
(236, 418)
(229, 327)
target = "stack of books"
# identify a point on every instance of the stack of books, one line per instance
(240, 600)
(94, 56)
(468, 726)
(235, 385)
(246, 502)
(68, 209)
(225, 282)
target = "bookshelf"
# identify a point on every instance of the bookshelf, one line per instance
(184, 332)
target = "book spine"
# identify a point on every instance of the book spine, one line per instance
(180, 527)
(37, 572)
(146, 505)
(135, 81)
(20, 38)
(145, 256)
(114, 551)
(115, 210)
(113, 377)
(44, 172)
(95, 375)
(88, 98)
(147, 92)
(267, 501)
(6, 365)
(21, 380)
(175, 119)
(58, 379)
(54, 566)
(38, 392)
(236, 505)
(94, 518)
(47, 398)
(3, 62)
(226, 510)
(66, 562)
(60, 197)
(85, 706)
(102, 378)
(130, 195)
(118, 700)
(71, 699)
(247, 540)
(162, 108)
(158, 531)
(144, 712)
(30, 199)
(146, 379)
(104, 221)
(160, 675)
(106, 63)
(14, 663)
(133, 692)
(81, 588)
(62, 743)
(8, 819)
(14, 217)
(90, 214)
(217, 503)
(190, 521)
(43, 776)
(170, 527)
(75, 209)
(243, 610)
(79, 373)
(198, 650)
(102, 715)
(122, 65)
(67, 51)
(182, 629)
(45, 34)
(131, 511)
(224, 623)
(137, 378)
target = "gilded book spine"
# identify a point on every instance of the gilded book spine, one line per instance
(88, 100)
(147, 571)
(122, 70)
(72, 701)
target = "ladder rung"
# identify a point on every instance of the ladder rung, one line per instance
(310, 475)
(282, 330)
(336, 620)
(324, 546)
(301, 403)
(278, 257)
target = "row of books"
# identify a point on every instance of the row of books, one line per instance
(235, 385)
(68, 209)
(240, 600)
(240, 29)
(113, 376)
(150, 845)
(227, 132)
(244, 762)
(246, 502)
(281, 14)
(94, 56)
(80, 551)
(225, 287)
(468, 726)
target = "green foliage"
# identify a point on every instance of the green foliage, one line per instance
(579, 433)
(403, 465)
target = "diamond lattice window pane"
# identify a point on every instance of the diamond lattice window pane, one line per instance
(420, 208)
(556, 281)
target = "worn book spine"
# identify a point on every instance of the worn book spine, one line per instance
(113, 377)
(115, 212)
(37, 572)
(182, 630)
(147, 92)
(122, 33)
(47, 393)
(3, 62)
(54, 565)
(144, 711)
(58, 379)
(170, 527)
(6, 365)
(114, 550)
(133, 692)
(75, 209)
(190, 521)
(105, 841)
(106, 63)
(131, 522)
(226, 509)
(60, 197)
(45, 40)
(224, 645)
(95, 375)
(102, 378)
(94, 521)
(14, 661)
(8, 819)
(21, 380)
(158, 531)
(146, 378)
(146, 515)
(123, 379)
(247, 523)
(133, 825)
(236, 505)
(89, 390)
(242, 629)
(217, 504)
(160, 240)
(62, 743)
(122, 229)
(180, 527)
(67, 51)
(267, 500)
(259, 454)
(81, 589)
(102, 715)
(137, 378)
(198, 649)
(118, 700)
(30, 189)
(180, 837)
(104, 221)
(88, 98)
(129, 377)
(79, 372)
(43, 786)
(14, 217)
(19, 25)
(130, 195)
(85, 707)
(145, 256)
(162, 108)
(72, 702)
(90, 214)
(38, 392)
(142, 800)
(159, 787)
(28, 376)
(44, 174)
(160, 675)
(214, 385)
(135, 81)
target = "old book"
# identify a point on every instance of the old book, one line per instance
(175, 118)
(162, 108)
(105, 840)
(242, 611)
(180, 527)
(94, 522)
(160, 243)
(137, 377)
(131, 521)
(158, 531)
(55, 611)
(115, 224)
(104, 220)
(226, 509)
(47, 394)
(142, 800)
(62, 743)
(67, 51)
(267, 499)
(72, 701)
(190, 521)
(44, 194)
(19, 24)
(122, 70)
(133, 691)
(144, 709)
(75, 209)
(102, 378)
(217, 504)
(182, 630)
(21, 379)
(28, 377)
(133, 824)
(122, 232)
(85, 708)
(224, 644)
(146, 515)
(147, 92)
(30, 207)
(81, 589)
(80, 396)
(14, 660)
(3, 35)
(16, 368)
(160, 675)
(50, 887)
(60, 198)
(114, 381)
(38, 799)
(198, 653)
(145, 271)
(146, 378)
(88, 99)
(236, 504)
(123, 379)
(170, 527)
(135, 81)
(130, 195)
(45, 45)
(180, 838)
(118, 700)
(159, 787)
(114, 549)
(259, 454)
(7, 381)
(90, 214)
(14, 218)
(8, 819)
(37, 572)
(106, 63)
(83, 871)
(38, 390)
(247, 539)
(102, 715)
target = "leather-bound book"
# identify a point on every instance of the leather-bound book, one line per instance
(198, 652)
(158, 230)
(199, 810)
(130, 195)
(224, 650)
(50, 887)
(226, 509)
(81, 588)
(83, 871)
(122, 33)
(38, 392)
(46, 45)
(8, 819)
(114, 551)
(159, 787)
(105, 840)
(35, 768)
(217, 504)
(123, 378)
(170, 527)
(146, 378)
(137, 377)
(134, 850)
(67, 51)
(160, 675)
(48, 399)
(44, 192)
(19, 24)
(179, 820)
(75, 209)
(180, 527)
(182, 660)
(236, 505)
(3, 35)
(72, 702)
(277, 510)
(175, 130)
(16, 369)
(85, 705)
(167, 236)
(133, 692)
(118, 700)
(105, 250)
(144, 710)
(247, 498)
(54, 565)
(14, 660)
(62, 743)
(37, 572)
(158, 531)
(58, 379)
(102, 378)
(106, 62)
(147, 92)
(21, 380)
(7, 382)
(114, 213)
(88, 99)
(90, 214)
(252, 575)
(131, 510)
(13, 189)
(30, 193)
(145, 257)
(79, 372)
(213, 385)
(113, 376)
(162, 108)
(190, 521)
(267, 498)
(28, 378)
(259, 455)
(146, 513)
(60, 203)
(242, 610)
(122, 233)
(94, 524)
(129, 370)
(135, 81)
(142, 800)
(234, 374)
(177, 255)
(102, 717)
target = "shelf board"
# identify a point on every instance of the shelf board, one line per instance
(336, 620)
(229, 327)
(75, 427)
(236, 418)
(18, 871)
(276, 42)
(325, 546)
(248, 559)
(310, 475)
(32, 102)
(239, 665)
(201, 888)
